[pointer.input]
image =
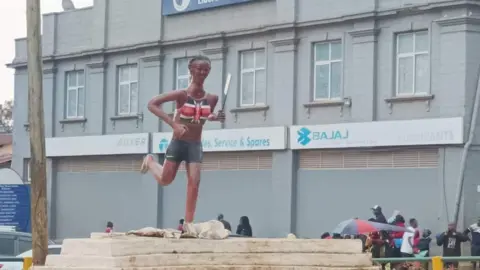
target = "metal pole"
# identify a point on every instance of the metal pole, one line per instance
(39, 220)
(471, 136)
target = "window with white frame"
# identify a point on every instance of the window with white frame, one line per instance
(253, 86)
(327, 68)
(127, 90)
(75, 107)
(182, 74)
(412, 63)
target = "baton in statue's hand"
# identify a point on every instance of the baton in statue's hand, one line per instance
(225, 91)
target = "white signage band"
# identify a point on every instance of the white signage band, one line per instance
(228, 140)
(441, 131)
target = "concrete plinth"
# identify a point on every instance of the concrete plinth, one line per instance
(122, 252)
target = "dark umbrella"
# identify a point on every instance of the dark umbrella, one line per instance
(358, 226)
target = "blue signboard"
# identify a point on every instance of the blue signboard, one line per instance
(171, 7)
(15, 206)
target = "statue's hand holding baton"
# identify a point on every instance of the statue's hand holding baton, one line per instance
(221, 113)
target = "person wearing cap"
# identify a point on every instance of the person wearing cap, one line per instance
(379, 216)
(225, 223)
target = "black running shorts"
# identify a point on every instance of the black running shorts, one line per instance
(190, 152)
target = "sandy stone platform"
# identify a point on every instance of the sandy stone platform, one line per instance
(121, 252)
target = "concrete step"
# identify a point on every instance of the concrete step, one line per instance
(194, 259)
(122, 245)
(120, 252)
(215, 267)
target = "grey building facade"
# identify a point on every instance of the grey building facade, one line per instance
(333, 107)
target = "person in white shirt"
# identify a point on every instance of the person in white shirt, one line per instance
(408, 239)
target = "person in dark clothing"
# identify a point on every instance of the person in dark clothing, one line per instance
(451, 241)
(423, 246)
(397, 236)
(325, 235)
(180, 225)
(381, 245)
(225, 223)
(377, 244)
(379, 216)
(244, 227)
(474, 231)
(337, 236)
(424, 242)
(109, 228)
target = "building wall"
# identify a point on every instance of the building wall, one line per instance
(111, 34)
(90, 191)
(239, 185)
(368, 64)
(337, 185)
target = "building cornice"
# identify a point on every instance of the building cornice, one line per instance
(214, 51)
(462, 20)
(52, 70)
(153, 58)
(284, 42)
(97, 65)
(364, 32)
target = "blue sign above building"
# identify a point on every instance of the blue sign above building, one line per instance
(15, 206)
(171, 7)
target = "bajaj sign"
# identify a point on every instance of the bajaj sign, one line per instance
(305, 135)
(171, 7)
(438, 131)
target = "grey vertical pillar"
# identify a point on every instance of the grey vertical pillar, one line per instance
(21, 143)
(49, 72)
(283, 106)
(151, 77)
(49, 88)
(458, 63)
(96, 90)
(363, 70)
(151, 72)
(99, 24)
(49, 83)
(49, 34)
(96, 72)
(286, 11)
(214, 84)
(51, 209)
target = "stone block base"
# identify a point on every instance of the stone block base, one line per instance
(122, 252)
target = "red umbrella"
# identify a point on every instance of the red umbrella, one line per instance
(358, 226)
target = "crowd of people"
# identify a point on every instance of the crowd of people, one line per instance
(413, 242)
(408, 242)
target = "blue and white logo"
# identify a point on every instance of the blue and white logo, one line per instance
(180, 5)
(162, 146)
(303, 136)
